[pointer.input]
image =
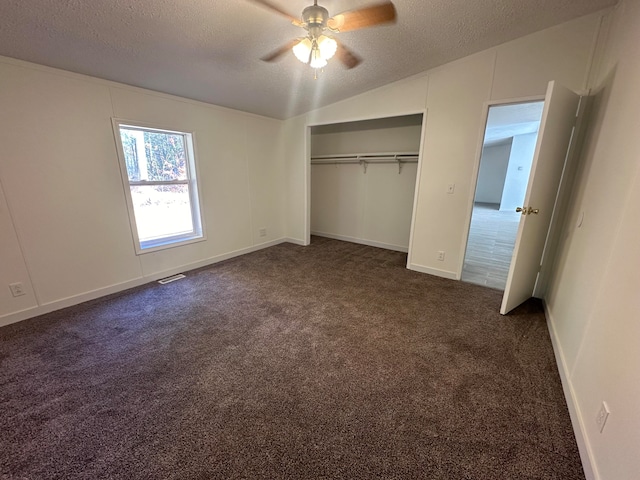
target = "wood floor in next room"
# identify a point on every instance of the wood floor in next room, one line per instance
(490, 245)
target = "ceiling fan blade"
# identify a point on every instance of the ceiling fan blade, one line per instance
(275, 8)
(365, 17)
(347, 57)
(277, 54)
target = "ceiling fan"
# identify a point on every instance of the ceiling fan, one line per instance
(316, 47)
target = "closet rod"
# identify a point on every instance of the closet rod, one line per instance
(368, 156)
(366, 159)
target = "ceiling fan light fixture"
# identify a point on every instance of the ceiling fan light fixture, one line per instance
(316, 48)
(327, 47)
(316, 53)
(316, 59)
(302, 50)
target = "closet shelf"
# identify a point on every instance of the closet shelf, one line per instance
(365, 159)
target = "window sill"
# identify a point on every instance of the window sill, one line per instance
(166, 243)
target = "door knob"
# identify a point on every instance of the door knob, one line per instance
(527, 210)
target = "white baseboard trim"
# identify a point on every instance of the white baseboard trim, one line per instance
(210, 261)
(18, 316)
(433, 271)
(135, 282)
(363, 241)
(586, 455)
(295, 241)
(70, 301)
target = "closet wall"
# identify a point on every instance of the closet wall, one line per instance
(372, 207)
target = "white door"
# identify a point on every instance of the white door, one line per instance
(554, 138)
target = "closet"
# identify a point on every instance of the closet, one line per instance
(363, 177)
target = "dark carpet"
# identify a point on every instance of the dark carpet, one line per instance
(330, 361)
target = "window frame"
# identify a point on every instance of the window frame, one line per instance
(198, 234)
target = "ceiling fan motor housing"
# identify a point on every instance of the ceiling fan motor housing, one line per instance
(314, 19)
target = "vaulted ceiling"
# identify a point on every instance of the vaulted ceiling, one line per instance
(210, 50)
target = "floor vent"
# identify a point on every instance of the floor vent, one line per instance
(170, 279)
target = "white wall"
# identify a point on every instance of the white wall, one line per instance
(14, 269)
(375, 207)
(397, 134)
(492, 173)
(593, 300)
(65, 231)
(517, 175)
(455, 96)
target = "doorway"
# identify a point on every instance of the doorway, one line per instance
(505, 165)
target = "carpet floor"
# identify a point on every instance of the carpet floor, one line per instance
(330, 361)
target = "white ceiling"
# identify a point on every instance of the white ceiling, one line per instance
(209, 50)
(506, 121)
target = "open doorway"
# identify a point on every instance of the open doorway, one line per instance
(505, 165)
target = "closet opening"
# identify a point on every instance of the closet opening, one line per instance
(363, 178)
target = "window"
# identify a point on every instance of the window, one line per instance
(158, 170)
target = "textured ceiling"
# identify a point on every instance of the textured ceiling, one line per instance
(209, 50)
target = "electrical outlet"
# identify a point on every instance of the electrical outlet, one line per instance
(262, 232)
(17, 289)
(602, 416)
(451, 188)
(441, 256)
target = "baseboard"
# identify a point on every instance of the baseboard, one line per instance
(586, 456)
(211, 260)
(363, 241)
(14, 317)
(296, 241)
(433, 271)
(136, 282)
(70, 301)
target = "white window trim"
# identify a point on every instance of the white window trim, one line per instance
(150, 246)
